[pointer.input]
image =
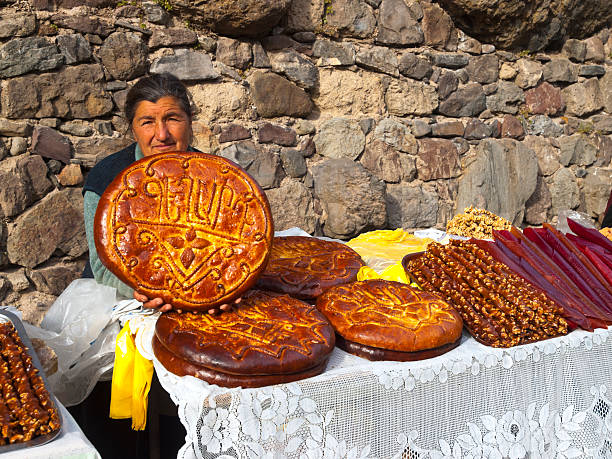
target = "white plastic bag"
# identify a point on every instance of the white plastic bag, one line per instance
(73, 385)
(78, 327)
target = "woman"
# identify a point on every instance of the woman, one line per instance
(158, 112)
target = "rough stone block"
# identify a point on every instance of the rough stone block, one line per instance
(275, 96)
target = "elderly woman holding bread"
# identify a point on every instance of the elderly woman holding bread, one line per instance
(158, 111)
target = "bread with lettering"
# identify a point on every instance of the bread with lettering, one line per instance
(191, 228)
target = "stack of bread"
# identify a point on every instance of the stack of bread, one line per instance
(267, 339)
(196, 230)
(375, 319)
(386, 320)
(305, 267)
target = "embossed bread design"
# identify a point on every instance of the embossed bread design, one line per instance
(266, 339)
(387, 320)
(305, 267)
(191, 228)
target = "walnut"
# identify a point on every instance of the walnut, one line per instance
(476, 223)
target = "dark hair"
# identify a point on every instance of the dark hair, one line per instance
(154, 87)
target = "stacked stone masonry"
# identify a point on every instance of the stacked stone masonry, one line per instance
(353, 115)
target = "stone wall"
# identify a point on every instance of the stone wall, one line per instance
(353, 115)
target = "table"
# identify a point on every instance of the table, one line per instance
(70, 443)
(541, 400)
(547, 399)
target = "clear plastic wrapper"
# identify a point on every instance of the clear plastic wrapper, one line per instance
(80, 330)
(578, 217)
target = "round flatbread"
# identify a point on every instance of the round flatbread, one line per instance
(390, 315)
(376, 353)
(182, 367)
(265, 334)
(191, 228)
(305, 267)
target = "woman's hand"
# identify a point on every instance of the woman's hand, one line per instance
(224, 307)
(155, 303)
(158, 303)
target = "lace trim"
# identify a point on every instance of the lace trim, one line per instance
(479, 357)
(542, 433)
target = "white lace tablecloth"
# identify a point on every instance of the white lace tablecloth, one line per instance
(546, 399)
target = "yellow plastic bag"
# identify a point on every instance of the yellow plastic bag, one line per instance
(387, 244)
(365, 273)
(394, 272)
(132, 377)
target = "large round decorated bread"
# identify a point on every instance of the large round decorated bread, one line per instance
(191, 228)
(267, 338)
(387, 320)
(305, 267)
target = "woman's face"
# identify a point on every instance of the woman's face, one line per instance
(161, 126)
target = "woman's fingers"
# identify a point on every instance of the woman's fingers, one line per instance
(154, 303)
(140, 297)
(158, 303)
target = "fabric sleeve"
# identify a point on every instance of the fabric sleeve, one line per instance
(101, 274)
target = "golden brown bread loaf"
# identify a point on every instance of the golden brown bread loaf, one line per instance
(304, 267)
(390, 315)
(182, 367)
(191, 228)
(265, 337)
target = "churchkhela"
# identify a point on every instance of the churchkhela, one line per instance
(498, 307)
(26, 408)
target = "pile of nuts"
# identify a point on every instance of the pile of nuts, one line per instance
(476, 223)
(499, 308)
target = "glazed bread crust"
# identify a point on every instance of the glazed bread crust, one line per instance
(390, 315)
(304, 267)
(191, 228)
(265, 334)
